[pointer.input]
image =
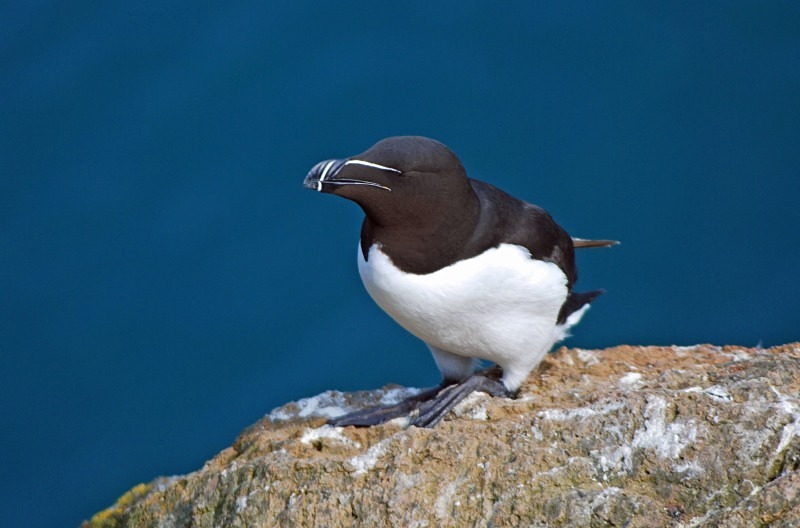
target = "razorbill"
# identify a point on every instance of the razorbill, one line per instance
(470, 270)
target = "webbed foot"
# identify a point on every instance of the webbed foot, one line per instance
(383, 413)
(432, 404)
(432, 411)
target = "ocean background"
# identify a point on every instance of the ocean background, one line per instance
(166, 280)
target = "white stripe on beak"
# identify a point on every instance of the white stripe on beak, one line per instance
(324, 173)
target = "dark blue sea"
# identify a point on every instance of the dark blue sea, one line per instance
(166, 280)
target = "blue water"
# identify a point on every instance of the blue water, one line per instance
(165, 280)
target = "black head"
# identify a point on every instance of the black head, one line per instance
(399, 180)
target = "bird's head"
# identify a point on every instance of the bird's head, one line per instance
(398, 180)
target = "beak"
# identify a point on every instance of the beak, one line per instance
(327, 173)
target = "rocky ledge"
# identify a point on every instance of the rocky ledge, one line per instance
(628, 436)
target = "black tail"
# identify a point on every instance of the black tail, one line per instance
(584, 243)
(576, 301)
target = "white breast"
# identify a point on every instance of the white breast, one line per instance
(501, 305)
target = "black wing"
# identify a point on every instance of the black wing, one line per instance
(513, 221)
(505, 219)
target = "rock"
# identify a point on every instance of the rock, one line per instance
(628, 436)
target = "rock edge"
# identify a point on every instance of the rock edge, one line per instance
(626, 436)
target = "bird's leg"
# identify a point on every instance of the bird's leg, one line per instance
(383, 413)
(432, 411)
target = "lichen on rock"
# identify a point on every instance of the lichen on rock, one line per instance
(627, 436)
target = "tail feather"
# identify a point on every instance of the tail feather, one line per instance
(576, 301)
(585, 243)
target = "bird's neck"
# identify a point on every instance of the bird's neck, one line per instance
(423, 247)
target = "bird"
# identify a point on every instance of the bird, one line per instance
(473, 272)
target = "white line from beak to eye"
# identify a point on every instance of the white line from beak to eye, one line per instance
(370, 164)
(324, 173)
